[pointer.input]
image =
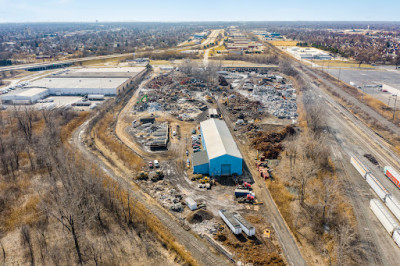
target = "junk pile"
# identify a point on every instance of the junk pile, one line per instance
(151, 134)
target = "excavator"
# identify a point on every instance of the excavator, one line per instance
(142, 175)
(144, 99)
(158, 176)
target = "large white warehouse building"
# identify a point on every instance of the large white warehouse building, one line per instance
(81, 86)
(104, 81)
(24, 96)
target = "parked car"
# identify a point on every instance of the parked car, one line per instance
(156, 163)
(150, 164)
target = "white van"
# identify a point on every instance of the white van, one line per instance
(156, 163)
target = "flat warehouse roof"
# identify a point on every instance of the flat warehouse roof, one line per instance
(91, 83)
(26, 92)
(117, 72)
(218, 139)
(111, 69)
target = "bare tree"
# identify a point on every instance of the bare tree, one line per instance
(27, 241)
(348, 245)
(25, 120)
(316, 114)
(305, 170)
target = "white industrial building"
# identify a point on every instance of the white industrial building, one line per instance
(25, 96)
(82, 86)
(309, 53)
(82, 81)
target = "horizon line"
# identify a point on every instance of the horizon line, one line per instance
(196, 21)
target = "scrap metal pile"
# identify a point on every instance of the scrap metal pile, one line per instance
(151, 134)
(176, 94)
(272, 91)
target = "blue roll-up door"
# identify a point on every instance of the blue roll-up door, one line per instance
(225, 169)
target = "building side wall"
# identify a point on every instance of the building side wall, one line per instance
(201, 169)
(82, 91)
(126, 84)
(216, 165)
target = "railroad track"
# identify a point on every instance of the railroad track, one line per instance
(377, 146)
(373, 253)
(368, 110)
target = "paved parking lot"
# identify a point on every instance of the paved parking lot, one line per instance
(363, 77)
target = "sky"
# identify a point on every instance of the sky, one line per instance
(201, 10)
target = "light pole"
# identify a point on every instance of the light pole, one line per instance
(394, 110)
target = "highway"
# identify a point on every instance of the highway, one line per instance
(69, 61)
(210, 39)
(77, 60)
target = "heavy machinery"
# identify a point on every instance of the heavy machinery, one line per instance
(208, 99)
(204, 180)
(142, 175)
(248, 199)
(158, 176)
(197, 177)
(143, 99)
(245, 185)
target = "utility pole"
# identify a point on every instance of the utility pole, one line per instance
(394, 110)
(338, 78)
(363, 91)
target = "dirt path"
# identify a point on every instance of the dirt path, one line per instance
(269, 209)
(201, 251)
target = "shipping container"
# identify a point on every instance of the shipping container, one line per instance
(384, 216)
(360, 167)
(247, 227)
(396, 236)
(241, 192)
(377, 187)
(392, 175)
(394, 206)
(230, 221)
(192, 205)
(96, 97)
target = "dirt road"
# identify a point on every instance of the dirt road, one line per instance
(269, 209)
(198, 249)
